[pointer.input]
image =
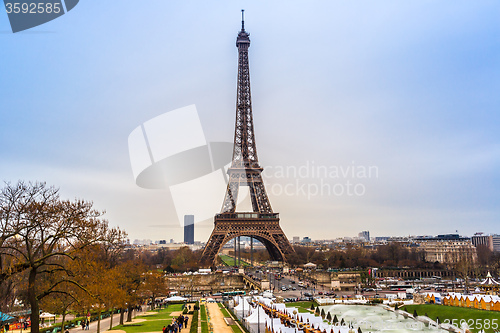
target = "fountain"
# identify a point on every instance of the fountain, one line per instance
(376, 319)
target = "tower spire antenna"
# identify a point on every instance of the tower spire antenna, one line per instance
(242, 19)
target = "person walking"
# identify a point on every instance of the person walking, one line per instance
(180, 320)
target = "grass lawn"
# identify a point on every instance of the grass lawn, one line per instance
(224, 311)
(153, 322)
(236, 329)
(203, 317)
(229, 261)
(302, 306)
(476, 319)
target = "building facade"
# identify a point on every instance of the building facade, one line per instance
(189, 229)
(448, 251)
(492, 242)
(364, 235)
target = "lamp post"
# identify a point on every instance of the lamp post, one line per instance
(258, 318)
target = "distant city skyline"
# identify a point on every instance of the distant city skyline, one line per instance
(368, 116)
(495, 238)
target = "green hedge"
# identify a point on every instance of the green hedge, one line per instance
(76, 322)
(203, 317)
(194, 323)
(376, 301)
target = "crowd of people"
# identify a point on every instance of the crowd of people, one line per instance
(85, 324)
(176, 325)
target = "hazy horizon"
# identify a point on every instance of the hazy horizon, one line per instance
(395, 101)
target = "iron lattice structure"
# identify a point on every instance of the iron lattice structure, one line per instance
(261, 224)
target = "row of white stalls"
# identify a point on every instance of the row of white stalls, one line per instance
(250, 311)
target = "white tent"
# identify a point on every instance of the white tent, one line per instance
(310, 318)
(46, 315)
(279, 306)
(275, 325)
(176, 299)
(257, 319)
(310, 265)
(290, 311)
(238, 299)
(489, 281)
(243, 309)
(275, 322)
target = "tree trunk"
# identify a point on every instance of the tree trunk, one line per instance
(99, 321)
(111, 319)
(63, 320)
(129, 314)
(152, 302)
(35, 313)
(121, 316)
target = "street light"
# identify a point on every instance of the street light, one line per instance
(258, 318)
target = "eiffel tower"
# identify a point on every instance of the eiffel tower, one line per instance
(262, 223)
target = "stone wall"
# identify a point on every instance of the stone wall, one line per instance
(196, 284)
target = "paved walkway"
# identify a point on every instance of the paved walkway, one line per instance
(116, 321)
(104, 323)
(217, 319)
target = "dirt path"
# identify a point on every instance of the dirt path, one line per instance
(217, 319)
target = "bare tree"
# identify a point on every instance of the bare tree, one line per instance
(155, 285)
(40, 235)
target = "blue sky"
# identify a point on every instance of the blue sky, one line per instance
(410, 87)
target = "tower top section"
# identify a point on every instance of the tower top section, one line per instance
(243, 38)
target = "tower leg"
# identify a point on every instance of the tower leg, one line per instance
(266, 230)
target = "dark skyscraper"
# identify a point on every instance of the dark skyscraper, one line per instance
(189, 229)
